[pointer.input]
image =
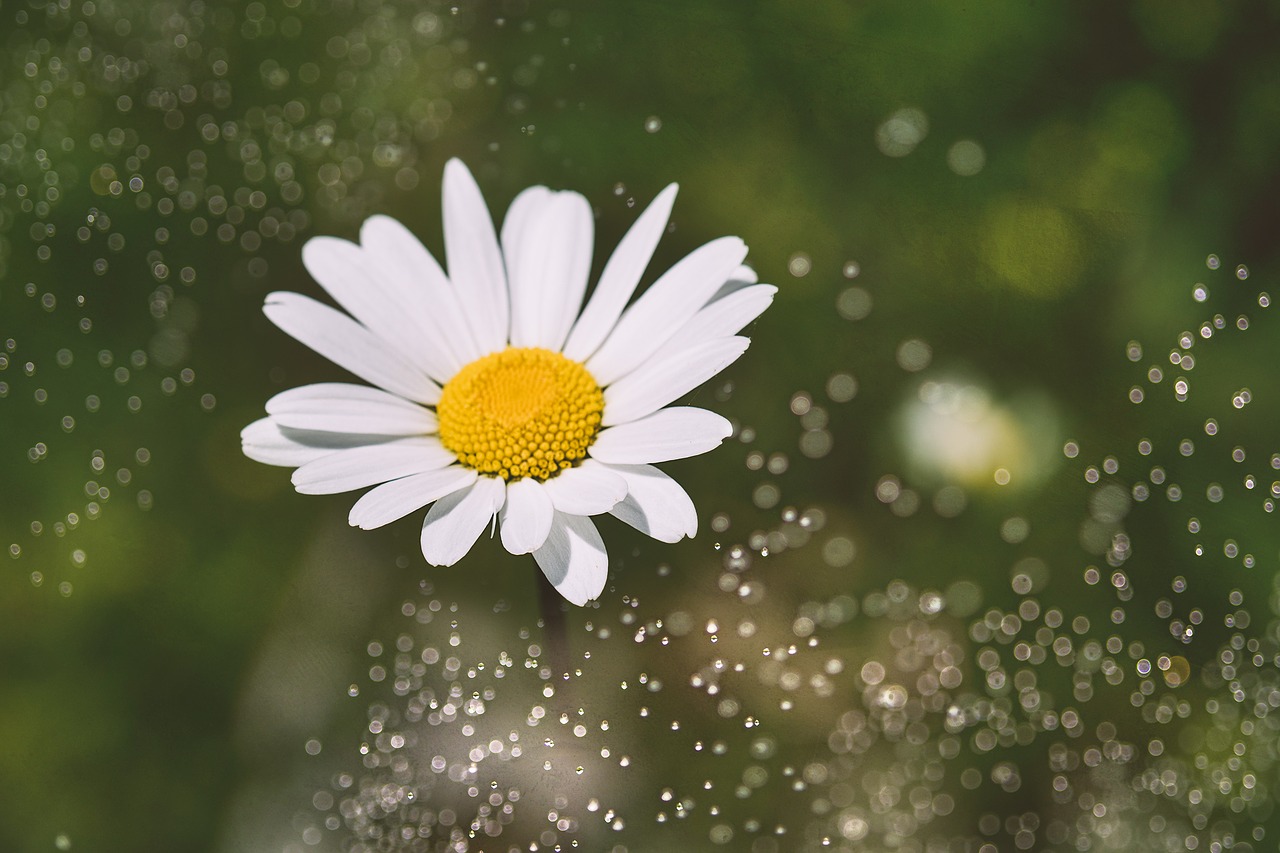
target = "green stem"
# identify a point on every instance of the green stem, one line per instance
(555, 629)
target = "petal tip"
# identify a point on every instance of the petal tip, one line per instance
(377, 220)
(250, 430)
(512, 542)
(455, 169)
(440, 561)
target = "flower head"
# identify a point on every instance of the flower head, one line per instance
(497, 392)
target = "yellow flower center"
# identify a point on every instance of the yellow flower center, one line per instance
(522, 412)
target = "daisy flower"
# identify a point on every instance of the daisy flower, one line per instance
(494, 392)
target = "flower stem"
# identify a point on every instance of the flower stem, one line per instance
(554, 627)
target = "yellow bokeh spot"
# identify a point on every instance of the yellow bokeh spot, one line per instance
(1176, 669)
(522, 412)
(955, 432)
(1033, 247)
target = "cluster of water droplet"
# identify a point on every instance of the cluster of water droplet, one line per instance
(1130, 714)
(129, 160)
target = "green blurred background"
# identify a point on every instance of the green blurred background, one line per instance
(987, 222)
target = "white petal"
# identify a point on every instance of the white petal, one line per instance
(343, 407)
(655, 504)
(520, 214)
(267, 442)
(664, 307)
(398, 498)
(388, 305)
(742, 275)
(734, 284)
(666, 434)
(671, 373)
(347, 470)
(526, 516)
(526, 215)
(475, 261)
(620, 276)
(574, 558)
(455, 522)
(548, 260)
(424, 291)
(588, 489)
(726, 315)
(349, 345)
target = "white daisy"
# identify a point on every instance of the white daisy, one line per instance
(497, 392)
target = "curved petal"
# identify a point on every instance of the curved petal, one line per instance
(548, 260)
(347, 470)
(424, 291)
(455, 521)
(725, 315)
(526, 516)
(523, 210)
(574, 558)
(664, 307)
(667, 434)
(621, 274)
(655, 504)
(525, 260)
(396, 499)
(389, 306)
(669, 374)
(475, 261)
(588, 489)
(349, 345)
(266, 441)
(347, 408)
(743, 275)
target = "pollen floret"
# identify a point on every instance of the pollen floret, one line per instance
(521, 412)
